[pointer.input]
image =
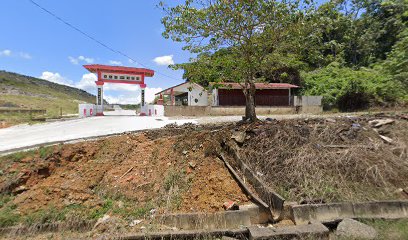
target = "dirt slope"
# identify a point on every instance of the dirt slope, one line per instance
(124, 175)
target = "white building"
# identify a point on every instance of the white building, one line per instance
(185, 94)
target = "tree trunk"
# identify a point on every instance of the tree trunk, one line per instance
(250, 114)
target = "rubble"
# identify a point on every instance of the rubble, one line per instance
(376, 123)
(230, 206)
(352, 229)
(239, 136)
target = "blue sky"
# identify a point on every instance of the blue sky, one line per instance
(34, 43)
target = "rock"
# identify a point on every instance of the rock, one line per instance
(108, 224)
(101, 220)
(185, 152)
(386, 139)
(134, 222)
(349, 228)
(355, 126)
(230, 205)
(192, 164)
(331, 120)
(20, 189)
(376, 123)
(239, 137)
(153, 211)
(228, 238)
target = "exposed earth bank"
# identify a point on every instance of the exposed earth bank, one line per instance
(176, 169)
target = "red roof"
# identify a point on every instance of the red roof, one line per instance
(227, 85)
(119, 69)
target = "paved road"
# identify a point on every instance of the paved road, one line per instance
(24, 136)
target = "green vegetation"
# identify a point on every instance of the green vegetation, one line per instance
(353, 53)
(18, 91)
(390, 229)
(250, 31)
(175, 183)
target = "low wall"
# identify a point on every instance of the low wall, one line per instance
(19, 110)
(226, 111)
(170, 111)
(332, 212)
(247, 215)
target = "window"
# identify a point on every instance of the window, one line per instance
(137, 78)
(122, 77)
(105, 76)
(115, 77)
(127, 78)
(110, 76)
(133, 78)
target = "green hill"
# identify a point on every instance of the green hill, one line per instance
(24, 92)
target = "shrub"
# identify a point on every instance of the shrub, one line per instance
(349, 89)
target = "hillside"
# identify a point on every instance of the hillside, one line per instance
(19, 91)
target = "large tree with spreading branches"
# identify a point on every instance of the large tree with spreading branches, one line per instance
(250, 29)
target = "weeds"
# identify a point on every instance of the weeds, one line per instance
(9, 216)
(297, 159)
(390, 229)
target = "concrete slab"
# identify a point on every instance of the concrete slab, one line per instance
(26, 136)
(310, 231)
(334, 212)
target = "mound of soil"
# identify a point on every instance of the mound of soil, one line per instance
(168, 173)
(175, 169)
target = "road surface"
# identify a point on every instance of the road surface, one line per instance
(26, 136)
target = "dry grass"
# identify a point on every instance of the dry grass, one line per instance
(317, 160)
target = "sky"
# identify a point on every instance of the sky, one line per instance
(34, 43)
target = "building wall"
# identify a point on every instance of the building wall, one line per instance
(263, 97)
(197, 95)
(308, 104)
(171, 111)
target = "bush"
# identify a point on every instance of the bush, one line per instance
(349, 89)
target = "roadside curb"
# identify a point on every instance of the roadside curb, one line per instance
(334, 212)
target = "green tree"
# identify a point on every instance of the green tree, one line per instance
(250, 29)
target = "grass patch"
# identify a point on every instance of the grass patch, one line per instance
(390, 229)
(9, 216)
(175, 183)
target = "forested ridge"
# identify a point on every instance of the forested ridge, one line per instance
(353, 53)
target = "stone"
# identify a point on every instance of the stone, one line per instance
(134, 222)
(230, 205)
(239, 137)
(386, 139)
(376, 123)
(192, 164)
(185, 152)
(307, 231)
(349, 228)
(20, 189)
(228, 238)
(102, 220)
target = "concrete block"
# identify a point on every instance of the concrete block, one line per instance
(332, 212)
(257, 214)
(310, 231)
(190, 221)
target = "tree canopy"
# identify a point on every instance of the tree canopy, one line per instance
(335, 49)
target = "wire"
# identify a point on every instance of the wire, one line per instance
(96, 40)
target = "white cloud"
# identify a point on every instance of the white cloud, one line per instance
(113, 62)
(131, 97)
(25, 55)
(80, 59)
(164, 60)
(87, 82)
(113, 93)
(56, 78)
(5, 52)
